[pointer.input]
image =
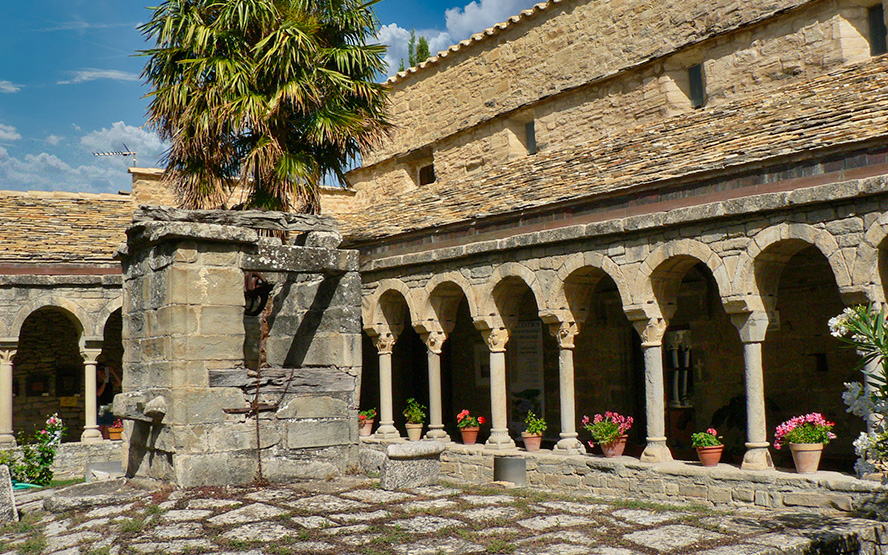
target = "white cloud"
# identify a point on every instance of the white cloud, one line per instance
(54, 140)
(462, 22)
(148, 145)
(85, 25)
(85, 75)
(475, 17)
(9, 133)
(9, 87)
(46, 172)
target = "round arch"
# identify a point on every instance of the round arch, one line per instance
(74, 312)
(590, 268)
(442, 295)
(378, 313)
(494, 294)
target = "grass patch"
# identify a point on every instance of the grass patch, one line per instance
(64, 483)
(26, 525)
(391, 537)
(34, 544)
(500, 546)
(659, 507)
(130, 525)
(98, 551)
(154, 510)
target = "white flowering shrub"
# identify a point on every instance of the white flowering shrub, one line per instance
(866, 329)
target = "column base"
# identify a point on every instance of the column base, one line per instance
(387, 431)
(91, 435)
(656, 451)
(438, 434)
(500, 439)
(757, 457)
(7, 441)
(569, 445)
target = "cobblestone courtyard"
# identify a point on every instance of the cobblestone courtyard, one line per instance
(354, 516)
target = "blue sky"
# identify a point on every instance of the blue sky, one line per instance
(70, 86)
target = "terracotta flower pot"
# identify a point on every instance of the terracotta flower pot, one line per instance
(414, 431)
(806, 456)
(532, 441)
(114, 434)
(469, 435)
(709, 456)
(615, 448)
(366, 429)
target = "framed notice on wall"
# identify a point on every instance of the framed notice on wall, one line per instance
(38, 385)
(526, 379)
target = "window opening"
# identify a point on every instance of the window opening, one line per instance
(427, 174)
(698, 93)
(877, 32)
(530, 137)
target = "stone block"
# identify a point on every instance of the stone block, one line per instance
(415, 450)
(745, 495)
(692, 490)
(303, 434)
(313, 407)
(194, 470)
(8, 512)
(720, 496)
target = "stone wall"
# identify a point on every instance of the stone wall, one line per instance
(71, 459)
(444, 109)
(722, 486)
(191, 353)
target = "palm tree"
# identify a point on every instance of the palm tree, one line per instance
(269, 94)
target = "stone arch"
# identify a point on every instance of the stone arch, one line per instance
(577, 278)
(106, 312)
(388, 305)
(660, 275)
(443, 293)
(870, 271)
(498, 298)
(761, 265)
(82, 321)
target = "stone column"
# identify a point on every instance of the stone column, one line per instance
(499, 432)
(91, 433)
(651, 331)
(565, 333)
(434, 341)
(7, 437)
(385, 342)
(753, 327)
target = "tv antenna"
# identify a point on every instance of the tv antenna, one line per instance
(126, 152)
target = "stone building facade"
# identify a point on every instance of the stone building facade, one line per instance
(630, 207)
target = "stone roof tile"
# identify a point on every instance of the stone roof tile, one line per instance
(845, 106)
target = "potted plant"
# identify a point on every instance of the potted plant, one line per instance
(115, 430)
(415, 415)
(533, 435)
(469, 426)
(365, 421)
(806, 435)
(709, 446)
(609, 431)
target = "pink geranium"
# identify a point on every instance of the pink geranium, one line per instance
(808, 428)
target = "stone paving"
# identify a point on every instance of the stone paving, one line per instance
(353, 516)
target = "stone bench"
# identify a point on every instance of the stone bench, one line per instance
(411, 465)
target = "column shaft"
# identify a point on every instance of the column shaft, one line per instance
(568, 442)
(757, 456)
(387, 428)
(499, 433)
(656, 450)
(7, 437)
(436, 421)
(91, 433)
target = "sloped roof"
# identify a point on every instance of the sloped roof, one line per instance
(845, 106)
(62, 228)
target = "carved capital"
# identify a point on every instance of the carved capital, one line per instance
(564, 333)
(385, 342)
(434, 341)
(753, 326)
(6, 356)
(651, 331)
(496, 339)
(90, 355)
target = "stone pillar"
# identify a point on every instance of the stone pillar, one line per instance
(385, 342)
(7, 437)
(499, 432)
(434, 341)
(753, 327)
(565, 333)
(91, 433)
(651, 331)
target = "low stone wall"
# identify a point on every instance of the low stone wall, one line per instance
(72, 459)
(675, 481)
